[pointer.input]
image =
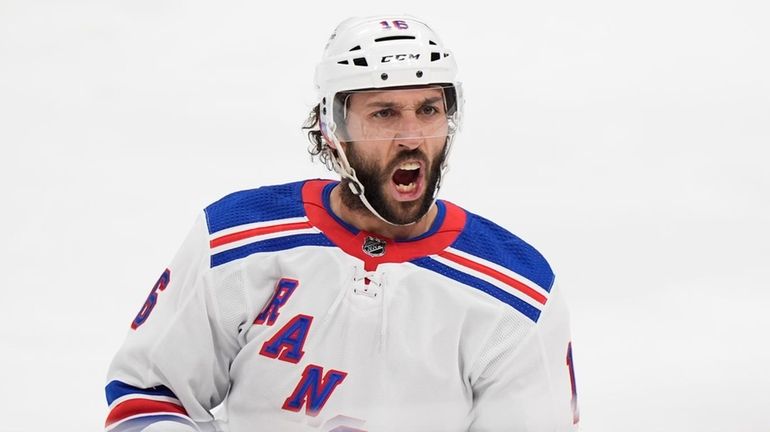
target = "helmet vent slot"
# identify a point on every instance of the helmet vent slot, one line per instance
(390, 38)
(360, 61)
(431, 42)
(435, 56)
(343, 62)
(355, 48)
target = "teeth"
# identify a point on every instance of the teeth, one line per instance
(408, 166)
(406, 188)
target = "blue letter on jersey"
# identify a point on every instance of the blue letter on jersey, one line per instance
(314, 391)
(149, 304)
(287, 344)
(283, 291)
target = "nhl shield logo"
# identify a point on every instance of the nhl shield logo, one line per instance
(374, 247)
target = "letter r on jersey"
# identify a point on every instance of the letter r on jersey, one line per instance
(287, 343)
(313, 391)
(283, 290)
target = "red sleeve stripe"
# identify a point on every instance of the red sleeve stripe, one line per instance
(240, 235)
(119, 401)
(520, 286)
(134, 407)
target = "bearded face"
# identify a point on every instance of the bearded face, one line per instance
(395, 140)
(380, 177)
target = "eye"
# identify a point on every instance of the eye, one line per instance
(384, 113)
(428, 110)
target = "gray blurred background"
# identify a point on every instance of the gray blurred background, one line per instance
(626, 140)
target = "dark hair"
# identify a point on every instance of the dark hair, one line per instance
(318, 146)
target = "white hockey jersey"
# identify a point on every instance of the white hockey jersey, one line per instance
(294, 320)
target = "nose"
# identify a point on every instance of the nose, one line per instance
(410, 132)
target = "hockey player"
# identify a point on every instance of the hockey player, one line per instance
(359, 305)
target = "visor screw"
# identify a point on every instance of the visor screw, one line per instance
(323, 101)
(324, 110)
(384, 76)
(419, 74)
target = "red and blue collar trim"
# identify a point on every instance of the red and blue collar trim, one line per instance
(449, 223)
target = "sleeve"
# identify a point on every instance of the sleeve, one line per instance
(526, 383)
(172, 368)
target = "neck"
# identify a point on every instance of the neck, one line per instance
(364, 220)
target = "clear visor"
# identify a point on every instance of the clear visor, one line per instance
(390, 114)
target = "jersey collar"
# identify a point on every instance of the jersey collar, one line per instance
(448, 224)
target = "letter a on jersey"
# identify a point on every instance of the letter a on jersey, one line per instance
(287, 344)
(313, 391)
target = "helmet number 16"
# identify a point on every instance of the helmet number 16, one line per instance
(398, 24)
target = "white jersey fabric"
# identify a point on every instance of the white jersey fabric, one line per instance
(295, 321)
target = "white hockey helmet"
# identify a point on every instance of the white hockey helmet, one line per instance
(381, 52)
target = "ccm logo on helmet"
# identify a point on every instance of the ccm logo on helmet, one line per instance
(399, 57)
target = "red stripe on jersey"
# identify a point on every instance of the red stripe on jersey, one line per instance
(495, 274)
(134, 407)
(240, 235)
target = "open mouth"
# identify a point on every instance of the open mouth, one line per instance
(406, 177)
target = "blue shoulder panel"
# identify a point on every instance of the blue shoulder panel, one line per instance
(256, 205)
(489, 241)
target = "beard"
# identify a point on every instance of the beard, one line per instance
(375, 180)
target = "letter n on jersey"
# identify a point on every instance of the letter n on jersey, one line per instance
(287, 343)
(313, 391)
